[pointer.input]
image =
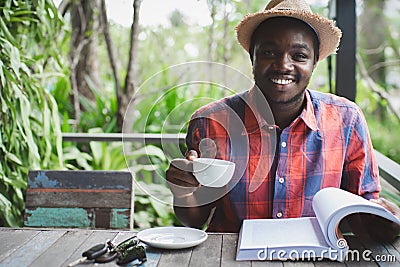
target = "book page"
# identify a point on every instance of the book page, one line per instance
(331, 205)
(278, 233)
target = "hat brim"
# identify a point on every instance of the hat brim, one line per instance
(329, 35)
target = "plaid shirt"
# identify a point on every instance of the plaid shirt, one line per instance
(279, 171)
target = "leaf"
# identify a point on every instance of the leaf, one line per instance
(13, 158)
(2, 78)
(150, 150)
(6, 32)
(96, 147)
(160, 208)
(25, 109)
(15, 58)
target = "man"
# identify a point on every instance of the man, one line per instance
(287, 141)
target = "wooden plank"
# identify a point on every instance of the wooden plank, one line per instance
(153, 257)
(172, 258)
(80, 179)
(328, 263)
(27, 253)
(266, 263)
(121, 218)
(396, 244)
(79, 198)
(95, 199)
(393, 252)
(64, 247)
(355, 255)
(59, 217)
(95, 238)
(208, 253)
(290, 263)
(228, 257)
(12, 239)
(378, 253)
(78, 217)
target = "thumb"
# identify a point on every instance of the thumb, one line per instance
(191, 155)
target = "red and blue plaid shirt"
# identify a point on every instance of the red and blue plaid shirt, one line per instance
(278, 172)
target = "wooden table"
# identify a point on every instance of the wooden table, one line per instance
(58, 247)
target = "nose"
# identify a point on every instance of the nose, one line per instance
(283, 63)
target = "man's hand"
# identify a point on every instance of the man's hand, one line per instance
(179, 175)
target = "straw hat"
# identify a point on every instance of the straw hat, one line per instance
(329, 35)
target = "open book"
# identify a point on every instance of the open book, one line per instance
(307, 238)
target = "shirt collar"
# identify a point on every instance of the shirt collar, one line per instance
(308, 114)
(254, 121)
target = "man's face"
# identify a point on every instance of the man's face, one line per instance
(283, 59)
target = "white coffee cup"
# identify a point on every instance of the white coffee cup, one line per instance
(213, 172)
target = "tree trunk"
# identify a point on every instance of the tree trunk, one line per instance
(84, 45)
(132, 73)
(111, 51)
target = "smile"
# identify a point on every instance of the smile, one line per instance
(281, 81)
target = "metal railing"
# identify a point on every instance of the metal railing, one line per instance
(119, 137)
(389, 170)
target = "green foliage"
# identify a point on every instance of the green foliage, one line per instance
(384, 127)
(29, 122)
(150, 212)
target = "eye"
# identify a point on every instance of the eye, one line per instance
(268, 53)
(300, 57)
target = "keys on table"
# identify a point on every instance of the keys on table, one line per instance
(91, 254)
(127, 251)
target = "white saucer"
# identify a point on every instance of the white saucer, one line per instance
(172, 237)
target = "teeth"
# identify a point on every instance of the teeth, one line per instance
(281, 81)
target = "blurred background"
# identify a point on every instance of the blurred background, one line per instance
(77, 66)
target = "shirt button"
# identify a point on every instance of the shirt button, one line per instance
(279, 215)
(281, 180)
(271, 128)
(283, 144)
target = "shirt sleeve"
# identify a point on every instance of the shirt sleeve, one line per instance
(361, 175)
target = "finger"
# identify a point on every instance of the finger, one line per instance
(183, 182)
(191, 154)
(180, 173)
(182, 165)
(175, 174)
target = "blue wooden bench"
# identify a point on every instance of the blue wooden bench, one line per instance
(81, 199)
